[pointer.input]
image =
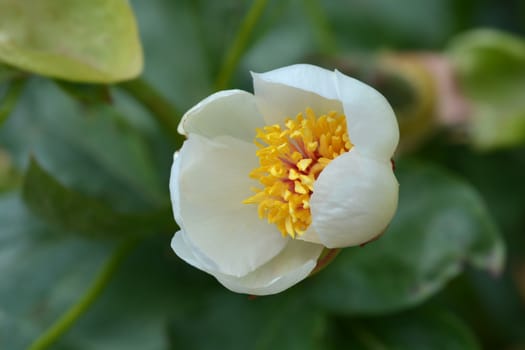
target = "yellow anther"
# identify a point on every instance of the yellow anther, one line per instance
(276, 171)
(299, 188)
(308, 181)
(293, 174)
(291, 159)
(312, 146)
(304, 163)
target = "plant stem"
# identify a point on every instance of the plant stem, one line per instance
(8, 103)
(162, 110)
(68, 319)
(321, 25)
(239, 44)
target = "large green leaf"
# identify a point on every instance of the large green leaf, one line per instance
(90, 148)
(494, 305)
(73, 211)
(422, 330)
(91, 41)
(42, 275)
(491, 68)
(441, 224)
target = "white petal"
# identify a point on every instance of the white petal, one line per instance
(229, 112)
(291, 266)
(212, 182)
(174, 188)
(182, 246)
(354, 199)
(310, 236)
(287, 91)
(371, 122)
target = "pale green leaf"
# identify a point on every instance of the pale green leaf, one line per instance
(491, 69)
(77, 40)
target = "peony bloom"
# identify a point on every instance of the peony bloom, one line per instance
(266, 181)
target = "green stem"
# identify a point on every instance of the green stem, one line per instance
(321, 25)
(68, 319)
(10, 99)
(162, 110)
(239, 44)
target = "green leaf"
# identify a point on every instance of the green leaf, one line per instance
(275, 322)
(8, 73)
(9, 100)
(45, 275)
(441, 224)
(100, 150)
(427, 330)
(90, 41)
(9, 177)
(76, 212)
(491, 68)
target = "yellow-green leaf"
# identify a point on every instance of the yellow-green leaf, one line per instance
(76, 40)
(491, 69)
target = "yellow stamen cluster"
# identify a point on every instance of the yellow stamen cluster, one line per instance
(291, 159)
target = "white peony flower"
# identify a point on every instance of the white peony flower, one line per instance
(266, 181)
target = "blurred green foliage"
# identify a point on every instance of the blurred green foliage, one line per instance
(85, 167)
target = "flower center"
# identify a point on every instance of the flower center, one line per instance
(291, 159)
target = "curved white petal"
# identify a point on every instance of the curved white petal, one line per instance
(212, 183)
(185, 250)
(291, 266)
(354, 199)
(309, 236)
(174, 188)
(371, 122)
(229, 112)
(287, 91)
